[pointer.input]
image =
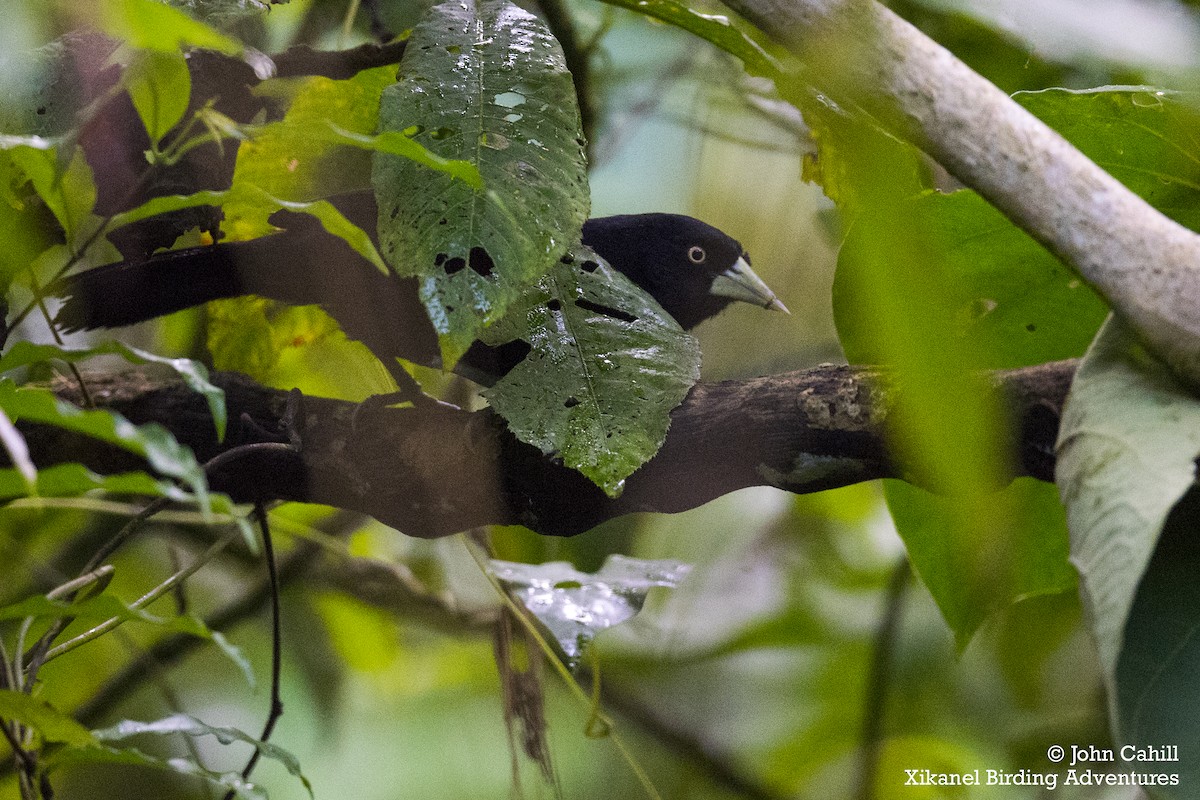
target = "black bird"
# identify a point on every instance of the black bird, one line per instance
(692, 269)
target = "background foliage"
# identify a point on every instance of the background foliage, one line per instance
(799, 658)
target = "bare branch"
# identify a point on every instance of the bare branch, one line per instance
(432, 471)
(1144, 264)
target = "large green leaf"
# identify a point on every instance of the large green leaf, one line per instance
(1127, 447)
(972, 576)
(1143, 136)
(940, 287)
(1015, 302)
(482, 81)
(606, 368)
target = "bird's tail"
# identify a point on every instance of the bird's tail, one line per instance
(302, 266)
(128, 292)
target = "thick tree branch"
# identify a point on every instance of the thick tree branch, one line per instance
(1144, 264)
(434, 471)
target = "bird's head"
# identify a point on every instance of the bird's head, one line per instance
(691, 268)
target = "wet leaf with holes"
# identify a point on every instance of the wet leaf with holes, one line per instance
(484, 82)
(606, 367)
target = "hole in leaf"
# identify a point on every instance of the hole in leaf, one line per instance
(454, 265)
(590, 266)
(395, 212)
(509, 99)
(608, 311)
(554, 305)
(439, 259)
(442, 133)
(571, 402)
(481, 262)
(442, 221)
(567, 259)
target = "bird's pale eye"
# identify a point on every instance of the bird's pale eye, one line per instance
(697, 255)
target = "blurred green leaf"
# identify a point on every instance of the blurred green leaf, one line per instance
(160, 86)
(153, 442)
(713, 28)
(1008, 296)
(483, 82)
(899, 297)
(93, 755)
(1129, 439)
(151, 25)
(70, 480)
(53, 725)
(193, 373)
(606, 368)
(971, 576)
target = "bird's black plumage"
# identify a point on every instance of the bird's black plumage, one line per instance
(682, 262)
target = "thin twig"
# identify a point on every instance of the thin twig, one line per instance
(878, 681)
(172, 649)
(149, 597)
(41, 651)
(276, 644)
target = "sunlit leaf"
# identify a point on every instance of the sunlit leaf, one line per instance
(151, 25)
(606, 367)
(299, 157)
(160, 86)
(485, 82)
